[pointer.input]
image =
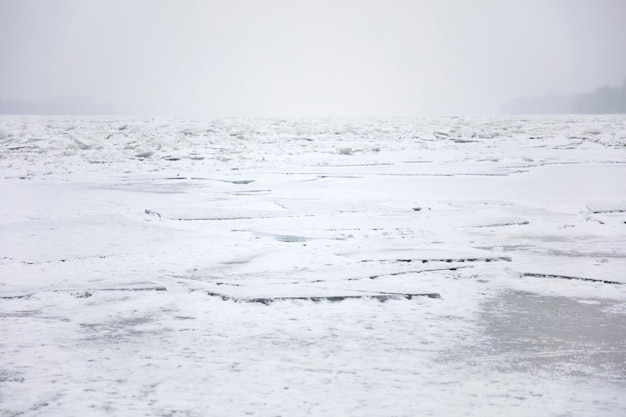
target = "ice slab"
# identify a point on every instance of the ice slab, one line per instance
(64, 239)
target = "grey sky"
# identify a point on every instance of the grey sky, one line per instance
(309, 58)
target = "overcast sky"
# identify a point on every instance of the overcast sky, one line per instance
(308, 58)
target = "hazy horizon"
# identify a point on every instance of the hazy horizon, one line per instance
(288, 59)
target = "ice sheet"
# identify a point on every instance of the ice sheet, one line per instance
(130, 250)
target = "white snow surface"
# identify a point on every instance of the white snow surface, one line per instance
(190, 267)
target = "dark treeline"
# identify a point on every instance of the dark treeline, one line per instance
(605, 99)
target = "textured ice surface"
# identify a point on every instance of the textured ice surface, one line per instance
(116, 235)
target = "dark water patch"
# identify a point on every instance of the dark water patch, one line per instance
(329, 298)
(83, 293)
(418, 271)
(553, 276)
(444, 260)
(504, 224)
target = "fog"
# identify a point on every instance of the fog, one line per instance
(303, 58)
(603, 100)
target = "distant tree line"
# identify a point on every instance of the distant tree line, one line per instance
(80, 105)
(603, 100)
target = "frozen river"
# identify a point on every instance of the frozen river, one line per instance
(399, 267)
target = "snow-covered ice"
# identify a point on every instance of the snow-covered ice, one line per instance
(397, 267)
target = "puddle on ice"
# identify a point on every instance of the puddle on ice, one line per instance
(528, 332)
